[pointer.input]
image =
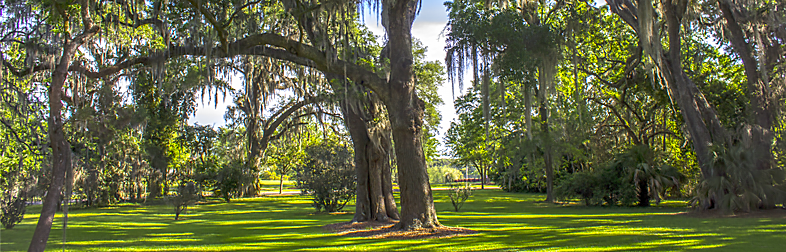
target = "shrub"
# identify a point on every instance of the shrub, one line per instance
(13, 211)
(228, 180)
(329, 176)
(632, 177)
(604, 186)
(187, 194)
(459, 194)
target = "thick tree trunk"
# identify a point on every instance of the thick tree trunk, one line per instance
(387, 191)
(375, 182)
(761, 137)
(406, 117)
(701, 120)
(252, 126)
(374, 189)
(417, 203)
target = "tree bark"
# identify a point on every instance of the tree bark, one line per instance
(701, 120)
(281, 184)
(254, 106)
(406, 117)
(61, 149)
(375, 200)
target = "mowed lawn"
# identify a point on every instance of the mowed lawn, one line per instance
(505, 221)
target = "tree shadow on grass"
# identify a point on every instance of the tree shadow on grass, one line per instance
(503, 221)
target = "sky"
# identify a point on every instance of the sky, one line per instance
(427, 28)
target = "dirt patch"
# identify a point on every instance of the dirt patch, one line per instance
(770, 213)
(385, 230)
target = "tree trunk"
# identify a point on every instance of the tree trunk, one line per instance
(387, 191)
(762, 112)
(375, 159)
(61, 150)
(281, 183)
(406, 118)
(701, 120)
(417, 203)
(483, 171)
(644, 194)
(374, 189)
(165, 181)
(254, 106)
(546, 140)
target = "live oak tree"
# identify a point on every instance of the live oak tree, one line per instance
(397, 92)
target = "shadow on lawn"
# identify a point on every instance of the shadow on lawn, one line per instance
(505, 221)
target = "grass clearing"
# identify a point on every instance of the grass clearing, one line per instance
(505, 221)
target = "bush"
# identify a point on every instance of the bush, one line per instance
(187, 194)
(632, 177)
(13, 211)
(329, 176)
(459, 194)
(605, 186)
(229, 180)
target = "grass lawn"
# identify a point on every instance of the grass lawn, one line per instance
(505, 221)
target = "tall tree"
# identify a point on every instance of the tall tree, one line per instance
(223, 40)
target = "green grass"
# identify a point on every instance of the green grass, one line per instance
(505, 221)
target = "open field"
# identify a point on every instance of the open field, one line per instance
(505, 221)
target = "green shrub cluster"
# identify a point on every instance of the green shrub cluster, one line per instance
(634, 176)
(605, 186)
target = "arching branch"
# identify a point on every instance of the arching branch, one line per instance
(265, 44)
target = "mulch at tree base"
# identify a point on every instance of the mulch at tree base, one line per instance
(385, 230)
